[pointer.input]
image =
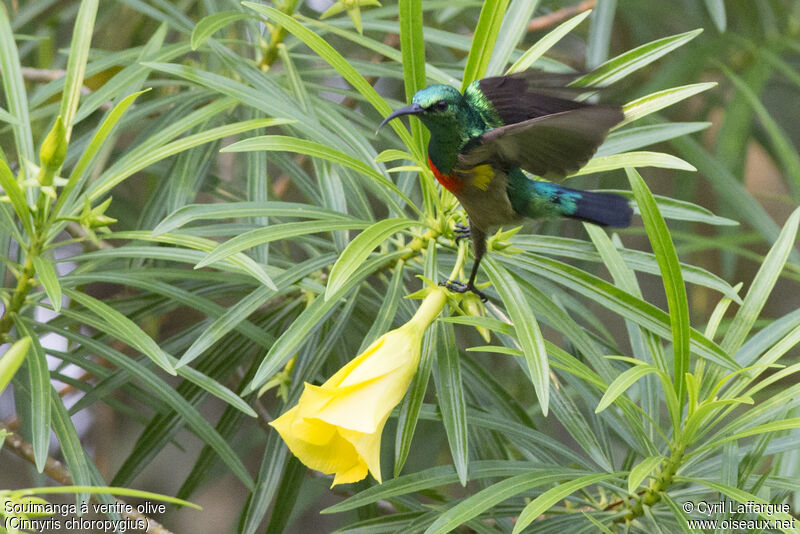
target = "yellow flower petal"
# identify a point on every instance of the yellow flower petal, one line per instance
(336, 427)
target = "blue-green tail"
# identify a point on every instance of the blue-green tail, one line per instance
(545, 199)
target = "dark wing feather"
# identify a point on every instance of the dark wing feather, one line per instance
(526, 95)
(557, 144)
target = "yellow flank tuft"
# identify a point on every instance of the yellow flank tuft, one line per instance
(482, 176)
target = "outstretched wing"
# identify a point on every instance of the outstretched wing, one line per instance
(554, 145)
(524, 95)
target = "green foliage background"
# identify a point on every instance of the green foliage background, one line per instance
(237, 142)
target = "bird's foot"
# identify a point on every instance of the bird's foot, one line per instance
(461, 231)
(460, 287)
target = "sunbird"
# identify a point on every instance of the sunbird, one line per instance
(482, 141)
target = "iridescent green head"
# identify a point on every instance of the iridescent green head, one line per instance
(438, 107)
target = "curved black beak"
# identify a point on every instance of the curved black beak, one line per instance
(413, 109)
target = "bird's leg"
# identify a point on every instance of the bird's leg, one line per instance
(461, 231)
(478, 249)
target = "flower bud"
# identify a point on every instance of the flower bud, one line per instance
(53, 152)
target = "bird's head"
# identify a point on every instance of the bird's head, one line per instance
(438, 107)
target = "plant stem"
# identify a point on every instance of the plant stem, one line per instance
(278, 34)
(653, 493)
(24, 285)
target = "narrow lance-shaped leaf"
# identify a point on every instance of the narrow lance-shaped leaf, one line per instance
(46, 274)
(621, 384)
(600, 32)
(76, 65)
(122, 327)
(480, 53)
(310, 148)
(619, 67)
(716, 8)
(543, 502)
(641, 107)
(634, 159)
(674, 286)
(450, 392)
(762, 285)
(209, 25)
(527, 329)
(334, 59)
(39, 378)
(359, 249)
(512, 31)
(98, 139)
(16, 196)
(642, 471)
(545, 43)
(12, 359)
(412, 47)
(14, 88)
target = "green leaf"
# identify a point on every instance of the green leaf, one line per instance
(782, 143)
(412, 47)
(359, 249)
(642, 471)
(98, 139)
(600, 32)
(716, 8)
(239, 313)
(637, 310)
(486, 31)
(772, 426)
(335, 60)
(674, 287)
(604, 529)
(412, 403)
(145, 154)
(76, 65)
(12, 359)
(39, 380)
(164, 393)
(493, 495)
(17, 197)
(730, 190)
(546, 43)
(621, 384)
(267, 483)
(295, 335)
(634, 159)
(641, 136)
(430, 478)
(209, 25)
(512, 31)
(543, 502)
(641, 107)
(236, 210)
(275, 232)
(281, 143)
(46, 274)
(450, 393)
(386, 314)
(123, 328)
(14, 89)
(621, 66)
(527, 330)
(762, 285)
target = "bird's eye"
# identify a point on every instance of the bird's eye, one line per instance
(441, 105)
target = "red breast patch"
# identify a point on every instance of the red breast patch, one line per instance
(451, 182)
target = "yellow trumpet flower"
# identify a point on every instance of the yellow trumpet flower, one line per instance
(336, 427)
